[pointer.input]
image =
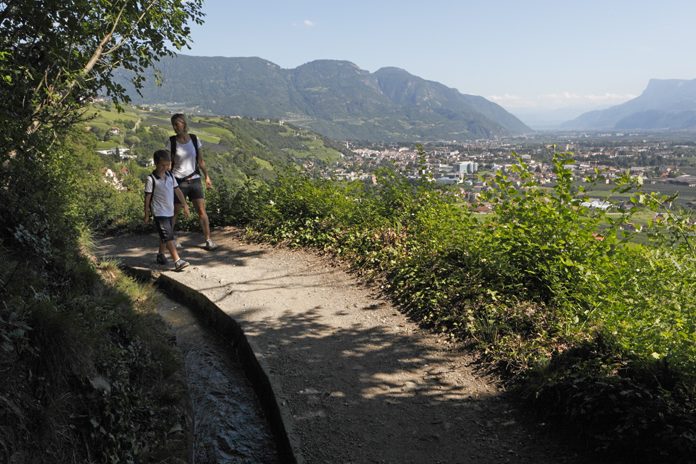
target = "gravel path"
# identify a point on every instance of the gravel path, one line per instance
(356, 381)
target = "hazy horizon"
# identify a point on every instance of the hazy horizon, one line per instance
(548, 119)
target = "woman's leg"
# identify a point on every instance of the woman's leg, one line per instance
(199, 204)
(177, 207)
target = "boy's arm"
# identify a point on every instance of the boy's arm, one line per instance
(148, 199)
(182, 199)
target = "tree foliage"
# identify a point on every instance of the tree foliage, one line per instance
(67, 335)
(56, 54)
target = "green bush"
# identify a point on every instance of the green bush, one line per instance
(574, 309)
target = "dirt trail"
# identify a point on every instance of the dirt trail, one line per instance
(356, 381)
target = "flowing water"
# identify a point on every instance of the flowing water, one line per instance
(229, 423)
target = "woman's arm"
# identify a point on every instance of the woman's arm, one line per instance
(204, 170)
(148, 199)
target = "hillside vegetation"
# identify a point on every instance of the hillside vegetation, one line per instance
(89, 373)
(234, 147)
(236, 150)
(593, 327)
(596, 331)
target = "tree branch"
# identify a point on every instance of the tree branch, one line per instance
(100, 48)
(36, 121)
(135, 23)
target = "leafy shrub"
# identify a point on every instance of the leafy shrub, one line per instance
(576, 311)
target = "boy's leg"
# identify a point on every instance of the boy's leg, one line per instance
(179, 264)
(171, 247)
(163, 230)
(166, 230)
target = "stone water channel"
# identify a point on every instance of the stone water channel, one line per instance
(229, 423)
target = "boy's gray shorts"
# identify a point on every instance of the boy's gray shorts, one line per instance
(165, 227)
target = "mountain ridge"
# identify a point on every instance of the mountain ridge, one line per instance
(665, 104)
(333, 97)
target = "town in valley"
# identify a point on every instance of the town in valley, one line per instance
(665, 164)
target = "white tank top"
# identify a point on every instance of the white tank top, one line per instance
(185, 159)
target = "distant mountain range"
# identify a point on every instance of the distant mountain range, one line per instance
(666, 104)
(334, 98)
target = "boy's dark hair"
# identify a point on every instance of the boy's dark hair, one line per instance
(162, 155)
(178, 116)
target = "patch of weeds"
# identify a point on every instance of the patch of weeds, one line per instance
(90, 373)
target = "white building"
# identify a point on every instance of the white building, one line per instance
(467, 167)
(448, 180)
(121, 152)
(596, 204)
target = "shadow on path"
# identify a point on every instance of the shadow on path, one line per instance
(372, 394)
(357, 381)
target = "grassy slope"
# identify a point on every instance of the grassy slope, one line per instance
(255, 147)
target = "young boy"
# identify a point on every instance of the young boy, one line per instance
(160, 188)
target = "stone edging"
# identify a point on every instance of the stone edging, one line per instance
(255, 368)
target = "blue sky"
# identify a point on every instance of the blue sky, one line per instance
(530, 56)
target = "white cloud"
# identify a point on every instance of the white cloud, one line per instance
(514, 101)
(559, 100)
(507, 98)
(570, 97)
(307, 23)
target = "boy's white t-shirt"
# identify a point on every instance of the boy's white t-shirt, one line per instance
(162, 202)
(185, 159)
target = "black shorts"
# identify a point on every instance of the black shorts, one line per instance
(192, 189)
(165, 227)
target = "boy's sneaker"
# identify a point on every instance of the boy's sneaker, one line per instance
(210, 245)
(161, 259)
(179, 246)
(179, 265)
